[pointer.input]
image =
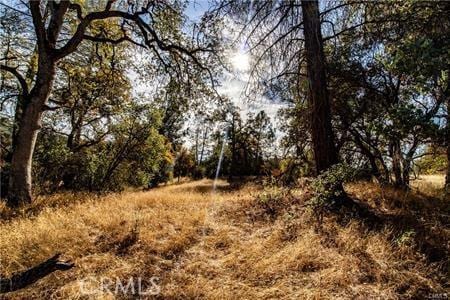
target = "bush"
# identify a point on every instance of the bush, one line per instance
(199, 172)
(163, 174)
(293, 169)
(136, 157)
(432, 164)
(327, 187)
(273, 199)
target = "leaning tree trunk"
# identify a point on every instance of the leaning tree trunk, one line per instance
(325, 153)
(19, 191)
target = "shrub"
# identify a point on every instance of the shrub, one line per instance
(327, 187)
(272, 199)
(136, 157)
(199, 172)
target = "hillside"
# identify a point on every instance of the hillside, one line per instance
(183, 241)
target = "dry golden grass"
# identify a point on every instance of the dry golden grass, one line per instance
(429, 184)
(215, 246)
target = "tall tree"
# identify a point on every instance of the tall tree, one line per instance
(283, 36)
(140, 27)
(325, 154)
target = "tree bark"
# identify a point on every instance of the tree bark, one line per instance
(366, 152)
(396, 156)
(325, 153)
(447, 177)
(19, 191)
(447, 133)
(408, 162)
(205, 133)
(196, 147)
(406, 172)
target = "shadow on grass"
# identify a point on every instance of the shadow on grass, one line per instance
(410, 215)
(221, 188)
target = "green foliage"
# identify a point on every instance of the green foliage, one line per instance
(272, 199)
(328, 186)
(198, 172)
(432, 164)
(52, 157)
(184, 163)
(406, 238)
(134, 154)
(163, 170)
(292, 169)
(248, 145)
(210, 165)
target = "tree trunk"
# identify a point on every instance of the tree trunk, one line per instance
(406, 172)
(366, 152)
(397, 163)
(196, 147)
(325, 153)
(447, 136)
(19, 191)
(203, 145)
(408, 162)
(386, 178)
(447, 177)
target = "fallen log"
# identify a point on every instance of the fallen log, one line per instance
(23, 279)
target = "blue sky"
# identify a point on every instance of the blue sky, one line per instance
(196, 9)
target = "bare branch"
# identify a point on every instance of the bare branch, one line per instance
(39, 26)
(112, 41)
(20, 78)
(21, 280)
(56, 20)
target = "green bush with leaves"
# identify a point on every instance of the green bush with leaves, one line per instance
(199, 172)
(272, 199)
(134, 153)
(328, 186)
(435, 163)
(52, 161)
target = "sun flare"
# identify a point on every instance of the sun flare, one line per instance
(240, 61)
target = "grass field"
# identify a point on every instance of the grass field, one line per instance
(184, 241)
